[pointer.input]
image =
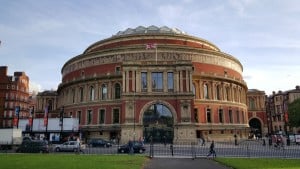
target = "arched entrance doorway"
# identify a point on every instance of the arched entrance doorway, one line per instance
(158, 124)
(255, 126)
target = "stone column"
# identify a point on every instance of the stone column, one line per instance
(149, 82)
(180, 81)
(165, 81)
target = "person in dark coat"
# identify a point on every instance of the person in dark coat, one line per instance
(130, 145)
(212, 150)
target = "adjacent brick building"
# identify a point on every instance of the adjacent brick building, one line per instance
(14, 94)
(277, 111)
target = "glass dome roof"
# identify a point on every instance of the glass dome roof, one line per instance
(150, 29)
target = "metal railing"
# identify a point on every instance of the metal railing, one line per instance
(192, 149)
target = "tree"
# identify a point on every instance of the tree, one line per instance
(294, 113)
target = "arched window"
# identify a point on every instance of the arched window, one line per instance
(194, 91)
(218, 92)
(251, 103)
(104, 92)
(227, 94)
(205, 91)
(73, 95)
(92, 93)
(117, 91)
(81, 94)
(208, 116)
(158, 114)
(239, 95)
(234, 95)
(50, 105)
(67, 96)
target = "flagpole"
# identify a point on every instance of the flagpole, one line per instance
(156, 53)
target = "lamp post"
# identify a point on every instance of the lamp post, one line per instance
(17, 113)
(61, 121)
(31, 118)
(134, 116)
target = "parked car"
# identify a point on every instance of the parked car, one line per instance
(34, 146)
(69, 146)
(138, 147)
(99, 143)
(27, 138)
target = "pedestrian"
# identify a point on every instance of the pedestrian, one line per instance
(130, 146)
(212, 150)
(203, 141)
(165, 140)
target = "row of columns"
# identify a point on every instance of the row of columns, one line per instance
(132, 80)
(73, 94)
(236, 93)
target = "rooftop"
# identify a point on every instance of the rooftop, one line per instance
(150, 30)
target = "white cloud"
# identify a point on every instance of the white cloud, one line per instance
(34, 87)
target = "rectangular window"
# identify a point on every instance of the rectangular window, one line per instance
(170, 81)
(237, 116)
(221, 120)
(157, 81)
(73, 95)
(79, 116)
(101, 116)
(278, 109)
(208, 116)
(89, 116)
(279, 117)
(81, 94)
(92, 93)
(230, 116)
(118, 70)
(196, 115)
(104, 92)
(243, 117)
(116, 116)
(144, 81)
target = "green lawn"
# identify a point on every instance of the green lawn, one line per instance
(73, 161)
(260, 163)
(70, 161)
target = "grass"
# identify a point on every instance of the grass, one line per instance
(71, 161)
(260, 163)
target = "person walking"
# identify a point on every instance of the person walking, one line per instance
(212, 150)
(130, 145)
(203, 141)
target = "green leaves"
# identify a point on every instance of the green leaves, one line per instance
(294, 113)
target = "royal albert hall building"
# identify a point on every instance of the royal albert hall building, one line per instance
(155, 83)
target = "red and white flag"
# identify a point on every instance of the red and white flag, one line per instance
(150, 46)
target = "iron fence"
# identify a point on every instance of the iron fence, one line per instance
(192, 149)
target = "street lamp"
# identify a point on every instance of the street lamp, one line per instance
(134, 116)
(17, 113)
(61, 121)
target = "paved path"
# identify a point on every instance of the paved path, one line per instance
(182, 163)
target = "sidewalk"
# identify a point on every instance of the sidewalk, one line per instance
(182, 163)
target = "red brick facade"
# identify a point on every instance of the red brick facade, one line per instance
(186, 88)
(14, 92)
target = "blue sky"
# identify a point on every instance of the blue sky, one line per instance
(39, 36)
